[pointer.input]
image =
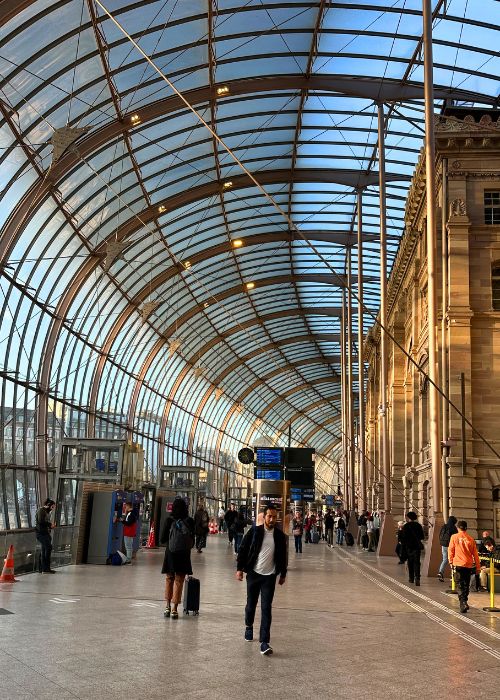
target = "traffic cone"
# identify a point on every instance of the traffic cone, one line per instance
(8, 567)
(151, 538)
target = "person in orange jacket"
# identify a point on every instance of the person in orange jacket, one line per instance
(462, 554)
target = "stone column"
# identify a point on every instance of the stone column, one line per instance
(463, 499)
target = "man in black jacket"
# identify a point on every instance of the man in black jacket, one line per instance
(43, 528)
(412, 536)
(262, 556)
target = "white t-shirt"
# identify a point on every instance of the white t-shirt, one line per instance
(265, 560)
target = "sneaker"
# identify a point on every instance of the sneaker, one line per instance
(463, 607)
(441, 577)
(265, 648)
(166, 612)
(249, 634)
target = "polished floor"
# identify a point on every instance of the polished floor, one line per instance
(345, 625)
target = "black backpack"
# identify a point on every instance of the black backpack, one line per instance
(179, 538)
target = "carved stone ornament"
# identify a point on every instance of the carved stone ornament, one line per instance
(443, 123)
(456, 165)
(458, 208)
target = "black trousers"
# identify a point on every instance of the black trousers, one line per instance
(46, 543)
(201, 541)
(263, 586)
(414, 565)
(462, 579)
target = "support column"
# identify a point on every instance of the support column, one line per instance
(444, 336)
(343, 372)
(433, 551)
(350, 399)
(363, 505)
(384, 432)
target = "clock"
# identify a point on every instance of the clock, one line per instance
(245, 455)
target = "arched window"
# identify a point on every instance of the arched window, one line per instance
(495, 286)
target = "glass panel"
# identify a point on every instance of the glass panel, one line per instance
(3, 521)
(10, 492)
(22, 498)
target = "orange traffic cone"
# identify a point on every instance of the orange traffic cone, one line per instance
(151, 538)
(8, 568)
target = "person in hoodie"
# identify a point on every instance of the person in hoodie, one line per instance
(129, 520)
(463, 555)
(412, 535)
(444, 540)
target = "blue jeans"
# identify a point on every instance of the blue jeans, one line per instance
(129, 544)
(238, 536)
(263, 586)
(340, 536)
(442, 566)
(298, 543)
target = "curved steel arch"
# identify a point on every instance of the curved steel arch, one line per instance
(369, 88)
(285, 368)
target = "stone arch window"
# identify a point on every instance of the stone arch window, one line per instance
(495, 286)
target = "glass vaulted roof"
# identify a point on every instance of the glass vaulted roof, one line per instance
(125, 308)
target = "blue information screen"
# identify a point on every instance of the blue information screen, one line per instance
(269, 456)
(268, 474)
(302, 494)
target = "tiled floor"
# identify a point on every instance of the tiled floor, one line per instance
(346, 624)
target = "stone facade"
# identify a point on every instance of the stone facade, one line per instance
(468, 158)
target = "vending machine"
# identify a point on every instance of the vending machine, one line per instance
(105, 529)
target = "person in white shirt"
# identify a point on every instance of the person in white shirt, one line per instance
(262, 556)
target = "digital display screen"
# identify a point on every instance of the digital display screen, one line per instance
(301, 478)
(268, 474)
(302, 494)
(269, 456)
(299, 457)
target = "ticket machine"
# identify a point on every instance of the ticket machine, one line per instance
(104, 534)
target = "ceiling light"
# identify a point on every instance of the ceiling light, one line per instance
(237, 243)
(162, 208)
(206, 305)
(227, 184)
(223, 90)
(186, 264)
(250, 285)
(135, 119)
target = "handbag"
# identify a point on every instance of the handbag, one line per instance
(296, 531)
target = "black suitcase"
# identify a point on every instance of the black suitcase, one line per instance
(191, 599)
(349, 539)
(315, 537)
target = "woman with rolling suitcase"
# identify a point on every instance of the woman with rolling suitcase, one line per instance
(178, 533)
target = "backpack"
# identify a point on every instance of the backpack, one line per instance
(179, 538)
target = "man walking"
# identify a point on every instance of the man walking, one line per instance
(229, 519)
(329, 522)
(462, 554)
(262, 556)
(43, 528)
(201, 528)
(412, 536)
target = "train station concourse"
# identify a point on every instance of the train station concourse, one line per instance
(249, 257)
